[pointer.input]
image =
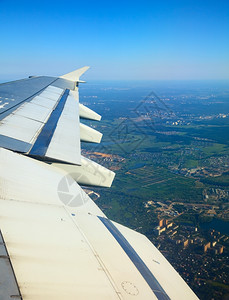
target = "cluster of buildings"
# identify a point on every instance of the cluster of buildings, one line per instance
(164, 225)
(187, 236)
(213, 247)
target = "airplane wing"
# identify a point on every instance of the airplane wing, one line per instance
(55, 242)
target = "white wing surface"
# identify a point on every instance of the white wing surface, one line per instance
(55, 242)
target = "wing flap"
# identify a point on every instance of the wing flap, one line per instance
(65, 143)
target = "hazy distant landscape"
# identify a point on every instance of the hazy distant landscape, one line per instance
(168, 144)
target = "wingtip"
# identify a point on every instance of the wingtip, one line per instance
(75, 75)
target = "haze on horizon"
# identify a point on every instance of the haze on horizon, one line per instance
(143, 40)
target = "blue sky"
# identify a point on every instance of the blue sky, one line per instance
(118, 39)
